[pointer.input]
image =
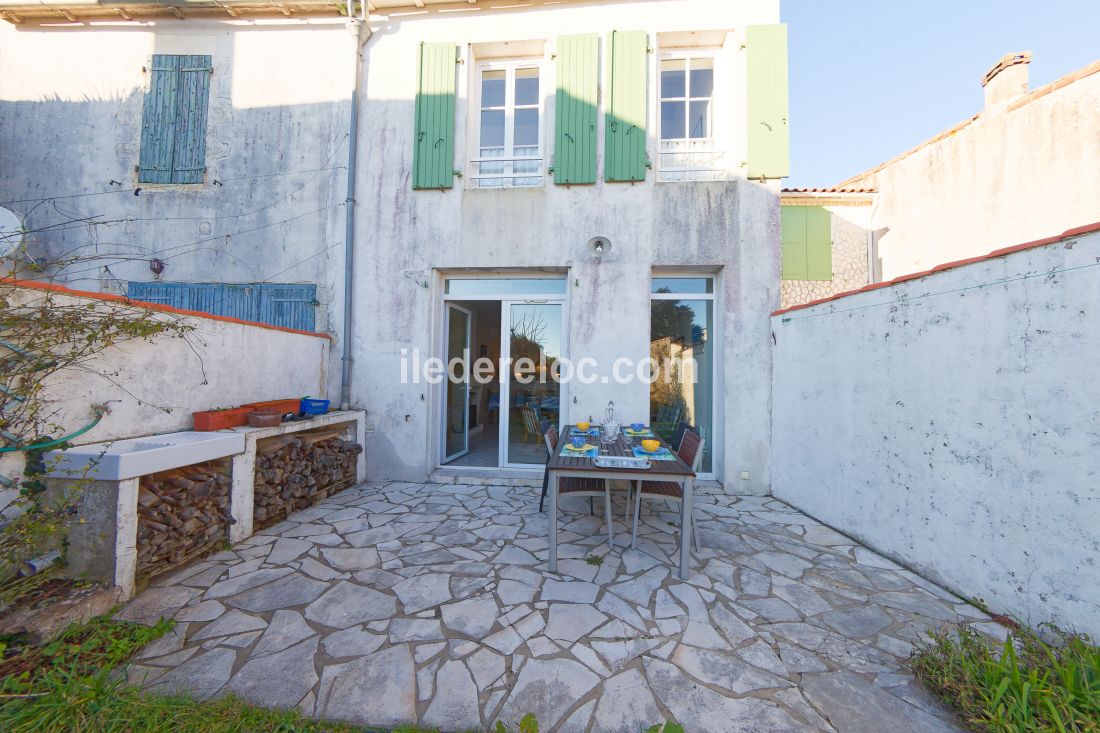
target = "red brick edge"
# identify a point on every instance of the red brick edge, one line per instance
(53, 287)
(1069, 233)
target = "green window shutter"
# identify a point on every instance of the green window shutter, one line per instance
(768, 138)
(625, 136)
(158, 121)
(819, 243)
(193, 95)
(173, 122)
(793, 246)
(433, 154)
(575, 109)
(807, 243)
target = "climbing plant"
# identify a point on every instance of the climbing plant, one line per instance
(45, 336)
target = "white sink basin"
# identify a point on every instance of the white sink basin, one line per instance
(122, 459)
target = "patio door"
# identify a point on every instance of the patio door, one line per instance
(456, 427)
(533, 338)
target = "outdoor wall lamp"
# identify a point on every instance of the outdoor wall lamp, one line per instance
(599, 246)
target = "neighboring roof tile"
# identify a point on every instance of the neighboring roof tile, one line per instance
(834, 189)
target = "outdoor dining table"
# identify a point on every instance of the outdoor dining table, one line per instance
(560, 466)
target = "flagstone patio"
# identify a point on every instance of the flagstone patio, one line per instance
(398, 603)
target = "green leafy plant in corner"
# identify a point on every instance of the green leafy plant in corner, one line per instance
(1033, 685)
(527, 724)
(596, 560)
(665, 728)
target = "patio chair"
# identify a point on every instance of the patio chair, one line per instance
(667, 421)
(530, 423)
(589, 487)
(691, 452)
(682, 428)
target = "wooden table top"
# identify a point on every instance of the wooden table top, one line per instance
(675, 468)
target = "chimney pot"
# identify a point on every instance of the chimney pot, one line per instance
(1007, 80)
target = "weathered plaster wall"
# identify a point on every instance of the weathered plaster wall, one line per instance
(154, 386)
(70, 123)
(1013, 174)
(408, 237)
(849, 228)
(956, 428)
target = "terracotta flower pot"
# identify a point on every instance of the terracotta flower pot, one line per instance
(265, 418)
(208, 420)
(283, 407)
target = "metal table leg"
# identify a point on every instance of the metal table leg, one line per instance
(685, 527)
(552, 559)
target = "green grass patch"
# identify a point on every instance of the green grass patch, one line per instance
(1027, 685)
(70, 685)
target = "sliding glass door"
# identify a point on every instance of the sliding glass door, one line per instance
(534, 338)
(456, 428)
(520, 394)
(682, 343)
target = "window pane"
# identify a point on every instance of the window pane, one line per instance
(699, 118)
(527, 86)
(672, 78)
(681, 285)
(672, 121)
(492, 88)
(506, 286)
(702, 77)
(683, 390)
(492, 128)
(527, 127)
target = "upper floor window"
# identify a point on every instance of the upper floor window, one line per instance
(509, 146)
(173, 121)
(689, 148)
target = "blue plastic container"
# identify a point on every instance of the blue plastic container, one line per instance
(314, 407)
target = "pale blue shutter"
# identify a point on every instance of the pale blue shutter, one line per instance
(193, 99)
(291, 305)
(158, 121)
(173, 125)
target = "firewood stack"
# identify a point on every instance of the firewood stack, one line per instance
(294, 471)
(181, 512)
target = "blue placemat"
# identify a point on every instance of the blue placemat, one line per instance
(662, 454)
(645, 433)
(591, 432)
(567, 452)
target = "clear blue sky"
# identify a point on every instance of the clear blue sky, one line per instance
(871, 78)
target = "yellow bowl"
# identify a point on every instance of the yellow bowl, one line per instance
(651, 445)
(583, 426)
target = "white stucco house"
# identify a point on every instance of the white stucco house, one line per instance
(572, 181)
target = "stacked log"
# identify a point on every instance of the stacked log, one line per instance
(181, 513)
(294, 471)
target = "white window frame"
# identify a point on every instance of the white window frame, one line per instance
(509, 66)
(668, 151)
(714, 442)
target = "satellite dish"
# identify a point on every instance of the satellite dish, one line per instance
(11, 232)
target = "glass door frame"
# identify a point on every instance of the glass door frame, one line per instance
(716, 409)
(505, 378)
(506, 299)
(448, 308)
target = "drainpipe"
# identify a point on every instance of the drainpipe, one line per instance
(362, 32)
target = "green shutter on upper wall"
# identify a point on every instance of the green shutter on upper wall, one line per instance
(433, 152)
(768, 133)
(625, 135)
(575, 109)
(807, 243)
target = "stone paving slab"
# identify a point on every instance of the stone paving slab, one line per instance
(396, 603)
